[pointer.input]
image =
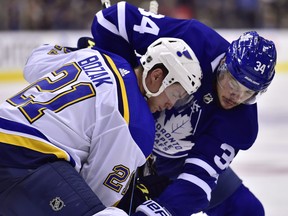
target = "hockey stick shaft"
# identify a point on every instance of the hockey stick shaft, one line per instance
(105, 3)
(153, 6)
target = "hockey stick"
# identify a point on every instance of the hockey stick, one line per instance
(105, 3)
(132, 193)
(153, 5)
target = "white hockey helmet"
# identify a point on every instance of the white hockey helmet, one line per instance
(179, 59)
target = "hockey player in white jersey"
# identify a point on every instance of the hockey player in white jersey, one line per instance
(71, 141)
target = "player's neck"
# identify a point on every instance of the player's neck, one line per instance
(138, 72)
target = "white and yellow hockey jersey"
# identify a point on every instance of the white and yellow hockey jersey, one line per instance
(84, 107)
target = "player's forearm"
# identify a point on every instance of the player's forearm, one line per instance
(183, 198)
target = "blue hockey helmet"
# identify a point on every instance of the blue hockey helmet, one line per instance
(251, 60)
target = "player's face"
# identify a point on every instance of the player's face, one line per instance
(231, 93)
(167, 98)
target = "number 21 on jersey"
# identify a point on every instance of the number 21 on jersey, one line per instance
(33, 109)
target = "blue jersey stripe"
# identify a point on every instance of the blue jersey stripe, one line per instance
(31, 144)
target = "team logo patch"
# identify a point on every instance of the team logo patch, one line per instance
(185, 53)
(57, 204)
(170, 135)
(208, 98)
(124, 71)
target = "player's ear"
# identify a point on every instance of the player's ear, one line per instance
(154, 79)
(157, 75)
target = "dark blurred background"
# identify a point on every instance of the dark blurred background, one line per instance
(78, 14)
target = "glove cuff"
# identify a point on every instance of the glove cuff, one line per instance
(152, 208)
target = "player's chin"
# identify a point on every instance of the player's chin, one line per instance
(153, 109)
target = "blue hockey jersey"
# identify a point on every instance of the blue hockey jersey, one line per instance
(196, 142)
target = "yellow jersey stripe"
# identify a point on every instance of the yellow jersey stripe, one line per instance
(33, 144)
(126, 113)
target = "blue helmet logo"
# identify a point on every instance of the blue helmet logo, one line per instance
(251, 60)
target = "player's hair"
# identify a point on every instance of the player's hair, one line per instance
(179, 59)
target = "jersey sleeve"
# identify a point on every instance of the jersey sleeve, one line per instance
(111, 34)
(127, 31)
(43, 60)
(119, 143)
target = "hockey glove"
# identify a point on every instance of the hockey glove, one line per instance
(146, 188)
(155, 184)
(151, 208)
(85, 42)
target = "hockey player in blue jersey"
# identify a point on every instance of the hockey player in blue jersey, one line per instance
(71, 141)
(196, 143)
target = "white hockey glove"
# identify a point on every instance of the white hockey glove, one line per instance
(111, 211)
(151, 208)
